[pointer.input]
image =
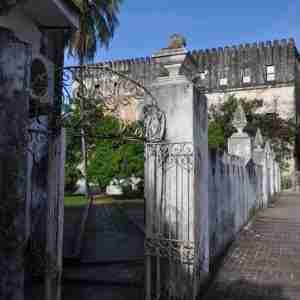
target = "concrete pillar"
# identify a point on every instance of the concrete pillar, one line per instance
(14, 101)
(272, 175)
(176, 177)
(239, 143)
(269, 164)
(260, 158)
(297, 181)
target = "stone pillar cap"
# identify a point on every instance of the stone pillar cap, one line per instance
(173, 56)
(170, 56)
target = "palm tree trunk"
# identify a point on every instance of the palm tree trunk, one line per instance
(84, 152)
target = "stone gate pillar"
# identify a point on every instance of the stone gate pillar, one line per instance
(14, 105)
(176, 181)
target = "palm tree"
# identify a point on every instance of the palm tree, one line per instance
(98, 21)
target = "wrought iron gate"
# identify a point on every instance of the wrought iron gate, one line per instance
(169, 244)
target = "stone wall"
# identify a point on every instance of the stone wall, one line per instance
(228, 62)
(276, 98)
(234, 196)
(213, 65)
(231, 63)
(14, 58)
(196, 201)
(40, 231)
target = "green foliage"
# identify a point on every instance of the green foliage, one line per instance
(73, 153)
(280, 132)
(73, 159)
(216, 135)
(103, 166)
(114, 156)
(112, 150)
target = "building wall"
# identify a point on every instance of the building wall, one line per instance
(231, 62)
(23, 27)
(275, 98)
(27, 31)
(297, 96)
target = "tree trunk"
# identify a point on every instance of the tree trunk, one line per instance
(14, 61)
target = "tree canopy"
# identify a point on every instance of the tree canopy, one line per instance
(279, 131)
(112, 149)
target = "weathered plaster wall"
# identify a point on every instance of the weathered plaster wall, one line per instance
(26, 30)
(297, 96)
(231, 62)
(14, 57)
(234, 195)
(23, 27)
(280, 98)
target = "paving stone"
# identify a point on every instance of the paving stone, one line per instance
(264, 262)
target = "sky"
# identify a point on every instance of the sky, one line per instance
(145, 26)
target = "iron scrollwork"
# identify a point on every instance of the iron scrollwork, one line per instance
(171, 154)
(100, 85)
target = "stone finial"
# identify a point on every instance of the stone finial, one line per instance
(177, 41)
(268, 147)
(172, 58)
(239, 119)
(258, 142)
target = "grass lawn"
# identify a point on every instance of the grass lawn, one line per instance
(73, 201)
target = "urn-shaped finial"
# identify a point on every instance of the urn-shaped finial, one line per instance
(239, 119)
(177, 41)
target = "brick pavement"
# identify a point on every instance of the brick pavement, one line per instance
(264, 262)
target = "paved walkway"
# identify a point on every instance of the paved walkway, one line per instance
(112, 262)
(264, 262)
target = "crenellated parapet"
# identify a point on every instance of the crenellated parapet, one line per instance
(264, 63)
(230, 67)
(143, 69)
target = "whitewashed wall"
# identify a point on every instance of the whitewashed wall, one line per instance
(235, 194)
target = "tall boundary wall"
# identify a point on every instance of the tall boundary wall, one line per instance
(235, 194)
(197, 200)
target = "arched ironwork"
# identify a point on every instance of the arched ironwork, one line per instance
(91, 88)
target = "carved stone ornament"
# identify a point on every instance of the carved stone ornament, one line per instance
(155, 124)
(258, 142)
(268, 148)
(177, 41)
(239, 119)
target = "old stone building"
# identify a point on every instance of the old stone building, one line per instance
(269, 71)
(31, 153)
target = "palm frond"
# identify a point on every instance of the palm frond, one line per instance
(98, 21)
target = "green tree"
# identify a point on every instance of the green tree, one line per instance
(113, 152)
(280, 132)
(216, 135)
(98, 20)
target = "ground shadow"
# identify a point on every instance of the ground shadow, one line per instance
(246, 290)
